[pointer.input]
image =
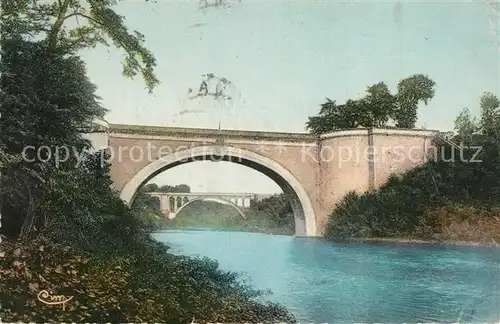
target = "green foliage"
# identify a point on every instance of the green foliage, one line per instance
(179, 188)
(273, 214)
(97, 221)
(101, 291)
(211, 214)
(47, 99)
(144, 284)
(396, 209)
(380, 105)
(147, 208)
(207, 214)
(466, 126)
(462, 223)
(404, 205)
(278, 209)
(332, 116)
(378, 108)
(490, 115)
(47, 102)
(411, 91)
(92, 22)
(68, 218)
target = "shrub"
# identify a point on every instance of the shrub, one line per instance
(460, 223)
(399, 208)
(152, 286)
(101, 290)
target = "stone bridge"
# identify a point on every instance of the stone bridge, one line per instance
(171, 203)
(314, 172)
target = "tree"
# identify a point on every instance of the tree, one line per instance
(412, 91)
(377, 109)
(151, 187)
(179, 188)
(95, 21)
(277, 208)
(487, 126)
(183, 188)
(47, 102)
(465, 125)
(380, 105)
(47, 99)
(352, 114)
(490, 115)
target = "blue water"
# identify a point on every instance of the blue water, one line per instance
(344, 283)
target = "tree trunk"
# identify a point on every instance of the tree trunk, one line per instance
(54, 32)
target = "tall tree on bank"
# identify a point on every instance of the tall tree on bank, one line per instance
(486, 126)
(71, 25)
(466, 125)
(378, 108)
(47, 101)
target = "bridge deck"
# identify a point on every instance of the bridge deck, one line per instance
(211, 193)
(207, 132)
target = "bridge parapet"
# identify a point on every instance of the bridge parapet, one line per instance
(211, 133)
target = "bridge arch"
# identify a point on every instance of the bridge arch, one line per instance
(219, 200)
(305, 220)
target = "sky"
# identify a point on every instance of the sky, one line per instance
(285, 57)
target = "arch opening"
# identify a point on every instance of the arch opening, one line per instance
(239, 202)
(218, 200)
(171, 202)
(305, 221)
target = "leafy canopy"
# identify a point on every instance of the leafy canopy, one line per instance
(72, 25)
(47, 102)
(378, 108)
(487, 125)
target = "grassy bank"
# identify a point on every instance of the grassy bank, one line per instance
(408, 241)
(437, 202)
(148, 285)
(461, 225)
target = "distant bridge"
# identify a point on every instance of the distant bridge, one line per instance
(171, 203)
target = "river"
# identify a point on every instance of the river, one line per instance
(322, 282)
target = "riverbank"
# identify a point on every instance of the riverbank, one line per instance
(407, 241)
(374, 240)
(143, 283)
(247, 229)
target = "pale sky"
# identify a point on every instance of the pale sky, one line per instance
(286, 57)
